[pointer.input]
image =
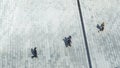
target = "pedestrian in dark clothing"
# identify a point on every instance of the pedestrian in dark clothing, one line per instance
(67, 41)
(101, 27)
(34, 52)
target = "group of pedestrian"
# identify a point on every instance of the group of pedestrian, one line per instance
(67, 40)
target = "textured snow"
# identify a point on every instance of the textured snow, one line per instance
(104, 46)
(25, 24)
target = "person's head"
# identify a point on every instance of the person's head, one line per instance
(69, 37)
(35, 48)
(103, 24)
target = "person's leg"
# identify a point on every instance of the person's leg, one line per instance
(69, 44)
(35, 56)
(102, 28)
(32, 56)
(66, 45)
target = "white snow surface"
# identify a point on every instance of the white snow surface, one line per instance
(104, 46)
(25, 24)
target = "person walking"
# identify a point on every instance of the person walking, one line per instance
(34, 52)
(67, 41)
(101, 27)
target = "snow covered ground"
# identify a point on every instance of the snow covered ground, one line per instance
(25, 24)
(104, 46)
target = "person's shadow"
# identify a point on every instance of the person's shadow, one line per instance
(65, 41)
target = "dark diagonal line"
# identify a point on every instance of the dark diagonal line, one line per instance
(84, 34)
